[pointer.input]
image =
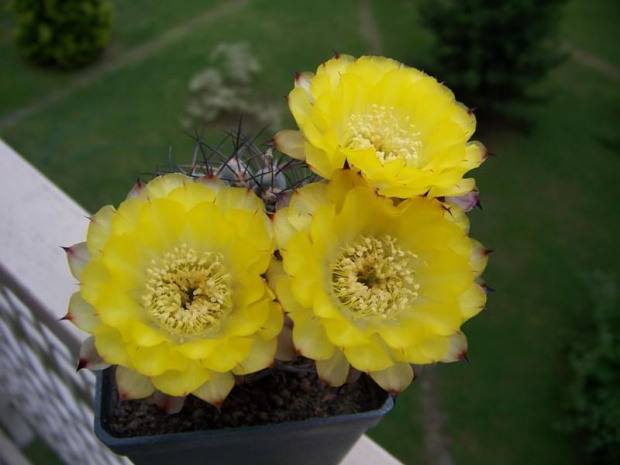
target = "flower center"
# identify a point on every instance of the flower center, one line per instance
(188, 293)
(391, 137)
(373, 277)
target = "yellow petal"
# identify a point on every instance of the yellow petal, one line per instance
(457, 348)
(111, 347)
(273, 325)
(431, 350)
(299, 104)
(216, 389)
(472, 301)
(404, 333)
(281, 283)
(78, 257)
(291, 143)
(161, 222)
(282, 228)
(115, 307)
(479, 257)
(237, 198)
(145, 335)
(155, 360)
(372, 356)
(394, 379)
(342, 332)
(127, 216)
(161, 186)
(333, 68)
(303, 80)
(191, 194)
(89, 357)
(261, 356)
(132, 385)
(334, 370)
(229, 354)
(123, 261)
(310, 338)
(99, 230)
(82, 314)
(248, 320)
(182, 382)
(199, 348)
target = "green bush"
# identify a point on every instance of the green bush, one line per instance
(491, 52)
(226, 90)
(65, 34)
(593, 392)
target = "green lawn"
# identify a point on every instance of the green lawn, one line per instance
(550, 197)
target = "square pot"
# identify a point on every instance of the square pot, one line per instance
(309, 442)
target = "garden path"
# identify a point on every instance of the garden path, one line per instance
(591, 61)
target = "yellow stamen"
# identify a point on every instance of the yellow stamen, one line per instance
(373, 277)
(188, 293)
(391, 137)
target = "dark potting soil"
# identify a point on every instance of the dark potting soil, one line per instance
(275, 398)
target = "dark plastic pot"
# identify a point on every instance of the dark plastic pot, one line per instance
(321, 441)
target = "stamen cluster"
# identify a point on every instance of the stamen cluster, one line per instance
(188, 293)
(373, 277)
(391, 138)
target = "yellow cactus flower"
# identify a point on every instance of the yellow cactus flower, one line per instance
(374, 285)
(400, 128)
(171, 288)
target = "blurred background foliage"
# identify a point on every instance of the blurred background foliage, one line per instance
(542, 384)
(492, 53)
(64, 34)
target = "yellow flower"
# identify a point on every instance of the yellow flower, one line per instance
(171, 288)
(401, 129)
(374, 285)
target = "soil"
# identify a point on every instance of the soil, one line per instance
(277, 397)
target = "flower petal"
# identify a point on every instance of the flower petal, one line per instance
(99, 230)
(89, 357)
(457, 348)
(310, 338)
(395, 378)
(229, 354)
(82, 314)
(260, 357)
(77, 256)
(133, 385)
(291, 143)
(111, 347)
(215, 390)
(182, 382)
(372, 356)
(335, 370)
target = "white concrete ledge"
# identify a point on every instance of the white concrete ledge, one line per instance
(368, 452)
(37, 219)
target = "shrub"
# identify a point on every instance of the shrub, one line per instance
(65, 34)
(593, 392)
(490, 52)
(225, 88)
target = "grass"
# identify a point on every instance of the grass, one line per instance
(550, 197)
